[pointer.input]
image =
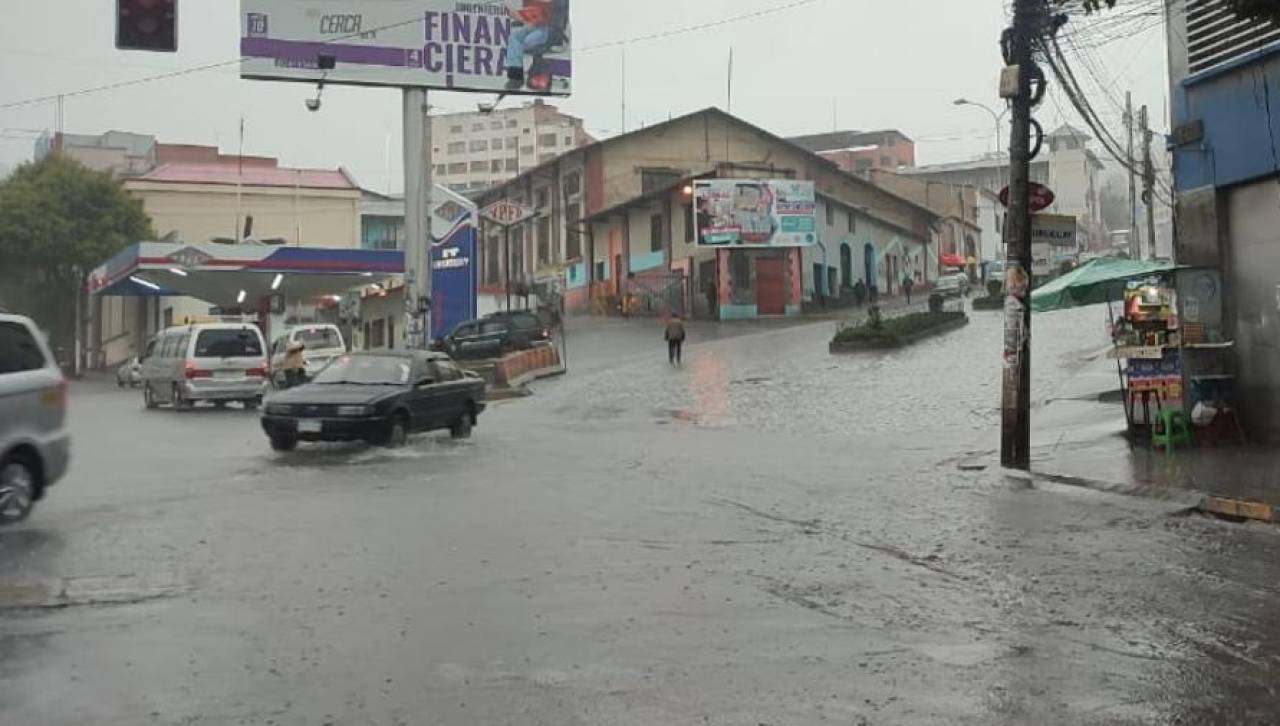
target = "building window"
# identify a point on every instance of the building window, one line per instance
(547, 140)
(655, 233)
(458, 168)
(540, 198)
(495, 166)
(511, 123)
(480, 145)
(496, 144)
(526, 131)
(544, 239)
(442, 169)
(491, 258)
(477, 127)
(831, 214)
(458, 147)
(573, 232)
(688, 223)
(568, 141)
(455, 129)
(513, 142)
(526, 150)
(853, 223)
(513, 165)
(378, 334)
(495, 125)
(479, 166)
(572, 184)
(651, 180)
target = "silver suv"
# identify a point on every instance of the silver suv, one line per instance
(34, 443)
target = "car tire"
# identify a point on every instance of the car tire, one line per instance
(148, 397)
(119, 383)
(179, 401)
(251, 404)
(397, 433)
(284, 443)
(18, 477)
(461, 428)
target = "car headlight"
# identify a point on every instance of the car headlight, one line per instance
(279, 409)
(354, 410)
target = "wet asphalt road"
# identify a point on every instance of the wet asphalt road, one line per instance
(770, 535)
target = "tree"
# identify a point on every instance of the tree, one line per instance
(59, 220)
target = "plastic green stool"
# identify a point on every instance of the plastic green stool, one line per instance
(1172, 432)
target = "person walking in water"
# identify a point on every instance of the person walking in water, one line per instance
(675, 339)
(907, 284)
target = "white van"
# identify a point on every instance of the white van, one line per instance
(324, 343)
(216, 362)
(34, 444)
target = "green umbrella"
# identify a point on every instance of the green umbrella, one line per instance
(1095, 282)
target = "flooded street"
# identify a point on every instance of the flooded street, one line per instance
(768, 535)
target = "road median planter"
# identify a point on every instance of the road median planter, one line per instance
(896, 332)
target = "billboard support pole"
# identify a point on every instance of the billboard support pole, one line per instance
(417, 221)
(506, 263)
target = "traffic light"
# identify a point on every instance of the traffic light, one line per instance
(147, 25)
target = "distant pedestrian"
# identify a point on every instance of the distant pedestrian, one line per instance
(860, 292)
(907, 284)
(675, 339)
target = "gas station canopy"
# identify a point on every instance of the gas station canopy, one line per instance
(230, 275)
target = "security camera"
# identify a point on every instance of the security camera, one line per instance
(313, 104)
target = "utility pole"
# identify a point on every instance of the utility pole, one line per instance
(1015, 434)
(1148, 182)
(417, 220)
(1134, 247)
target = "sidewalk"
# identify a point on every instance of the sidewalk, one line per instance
(1080, 439)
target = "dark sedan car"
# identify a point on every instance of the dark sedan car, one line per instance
(479, 339)
(376, 396)
(526, 327)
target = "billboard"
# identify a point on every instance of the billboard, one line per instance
(755, 213)
(455, 279)
(498, 46)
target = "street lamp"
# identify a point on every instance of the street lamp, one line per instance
(995, 116)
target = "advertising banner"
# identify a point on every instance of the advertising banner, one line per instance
(454, 276)
(755, 213)
(498, 46)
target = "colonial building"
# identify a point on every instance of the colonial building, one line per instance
(861, 151)
(615, 218)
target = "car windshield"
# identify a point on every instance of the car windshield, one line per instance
(949, 282)
(369, 370)
(227, 343)
(319, 338)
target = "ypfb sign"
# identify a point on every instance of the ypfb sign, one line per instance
(454, 277)
(494, 46)
(507, 213)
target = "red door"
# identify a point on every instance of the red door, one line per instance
(771, 297)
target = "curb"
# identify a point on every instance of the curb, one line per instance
(901, 342)
(1206, 502)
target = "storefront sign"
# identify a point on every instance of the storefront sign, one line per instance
(1053, 229)
(1041, 259)
(755, 213)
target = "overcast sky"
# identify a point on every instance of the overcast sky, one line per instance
(877, 63)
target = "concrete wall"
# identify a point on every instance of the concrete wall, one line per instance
(1252, 284)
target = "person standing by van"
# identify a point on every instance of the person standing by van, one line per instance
(295, 364)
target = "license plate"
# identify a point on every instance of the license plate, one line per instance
(228, 374)
(310, 426)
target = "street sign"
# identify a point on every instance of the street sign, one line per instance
(506, 213)
(1058, 230)
(1041, 197)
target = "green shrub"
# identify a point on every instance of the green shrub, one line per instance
(891, 330)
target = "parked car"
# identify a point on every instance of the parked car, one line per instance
(482, 338)
(324, 343)
(34, 443)
(955, 284)
(376, 396)
(526, 327)
(129, 373)
(217, 362)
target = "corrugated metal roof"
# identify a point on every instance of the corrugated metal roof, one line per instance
(250, 176)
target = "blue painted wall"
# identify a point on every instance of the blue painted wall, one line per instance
(647, 261)
(1240, 107)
